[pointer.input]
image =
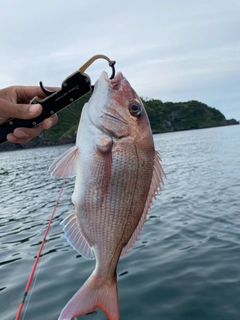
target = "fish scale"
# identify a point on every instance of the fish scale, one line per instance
(114, 212)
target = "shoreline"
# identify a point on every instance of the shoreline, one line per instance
(38, 142)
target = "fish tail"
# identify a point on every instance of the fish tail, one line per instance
(95, 293)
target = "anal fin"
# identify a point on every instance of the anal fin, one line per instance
(75, 237)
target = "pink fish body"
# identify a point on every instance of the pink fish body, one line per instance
(118, 173)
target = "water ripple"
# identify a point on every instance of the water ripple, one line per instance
(185, 264)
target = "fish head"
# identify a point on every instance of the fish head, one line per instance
(116, 109)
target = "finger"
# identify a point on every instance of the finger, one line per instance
(28, 132)
(20, 111)
(12, 138)
(27, 93)
(23, 135)
(49, 122)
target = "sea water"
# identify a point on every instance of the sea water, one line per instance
(185, 264)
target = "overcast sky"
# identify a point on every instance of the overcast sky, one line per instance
(174, 50)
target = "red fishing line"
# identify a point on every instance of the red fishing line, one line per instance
(38, 256)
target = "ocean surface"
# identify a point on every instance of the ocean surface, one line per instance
(185, 264)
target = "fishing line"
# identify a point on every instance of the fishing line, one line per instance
(38, 256)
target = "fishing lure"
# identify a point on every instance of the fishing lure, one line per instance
(73, 88)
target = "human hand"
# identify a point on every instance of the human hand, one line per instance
(14, 103)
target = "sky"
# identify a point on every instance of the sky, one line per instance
(175, 50)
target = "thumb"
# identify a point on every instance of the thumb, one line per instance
(20, 111)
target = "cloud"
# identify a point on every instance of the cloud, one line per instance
(172, 50)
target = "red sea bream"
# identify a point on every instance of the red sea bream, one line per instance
(118, 173)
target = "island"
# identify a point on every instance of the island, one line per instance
(163, 116)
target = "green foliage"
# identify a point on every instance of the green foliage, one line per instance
(177, 116)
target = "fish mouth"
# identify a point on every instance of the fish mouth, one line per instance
(114, 83)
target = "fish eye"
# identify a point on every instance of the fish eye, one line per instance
(135, 109)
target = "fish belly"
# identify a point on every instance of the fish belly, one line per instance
(114, 200)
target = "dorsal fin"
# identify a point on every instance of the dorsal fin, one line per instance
(75, 237)
(65, 164)
(156, 184)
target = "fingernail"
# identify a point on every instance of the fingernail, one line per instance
(34, 108)
(21, 134)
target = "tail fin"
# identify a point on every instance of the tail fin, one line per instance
(95, 293)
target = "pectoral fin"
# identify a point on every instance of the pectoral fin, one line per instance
(65, 165)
